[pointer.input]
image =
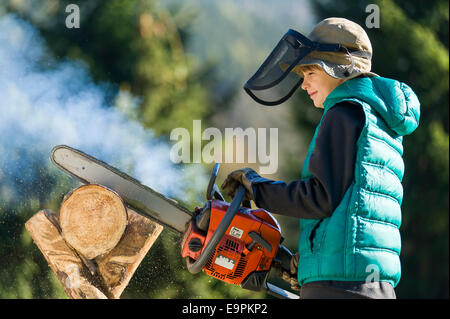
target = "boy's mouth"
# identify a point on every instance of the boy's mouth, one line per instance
(311, 94)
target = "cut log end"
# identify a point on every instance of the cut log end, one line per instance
(93, 219)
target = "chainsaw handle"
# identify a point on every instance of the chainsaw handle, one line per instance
(197, 266)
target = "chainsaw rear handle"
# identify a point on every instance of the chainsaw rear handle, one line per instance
(197, 266)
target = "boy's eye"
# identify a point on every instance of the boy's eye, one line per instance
(310, 73)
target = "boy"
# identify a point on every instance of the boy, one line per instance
(350, 194)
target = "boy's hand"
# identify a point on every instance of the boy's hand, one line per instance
(239, 177)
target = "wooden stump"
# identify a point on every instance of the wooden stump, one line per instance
(65, 262)
(117, 267)
(107, 274)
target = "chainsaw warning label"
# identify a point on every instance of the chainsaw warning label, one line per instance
(236, 232)
(225, 262)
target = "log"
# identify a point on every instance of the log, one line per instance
(67, 265)
(107, 274)
(118, 266)
(93, 218)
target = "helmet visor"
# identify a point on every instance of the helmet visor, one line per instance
(273, 83)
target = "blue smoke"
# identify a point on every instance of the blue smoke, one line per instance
(44, 102)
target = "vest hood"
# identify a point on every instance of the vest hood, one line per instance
(394, 101)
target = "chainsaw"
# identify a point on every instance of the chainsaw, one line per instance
(227, 241)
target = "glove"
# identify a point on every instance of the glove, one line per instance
(290, 275)
(245, 177)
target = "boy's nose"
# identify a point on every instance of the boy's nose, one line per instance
(304, 85)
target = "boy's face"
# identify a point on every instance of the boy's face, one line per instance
(319, 84)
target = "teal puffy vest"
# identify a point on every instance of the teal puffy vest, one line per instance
(360, 241)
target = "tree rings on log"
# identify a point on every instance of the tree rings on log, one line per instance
(93, 219)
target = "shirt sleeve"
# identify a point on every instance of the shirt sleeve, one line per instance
(331, 164)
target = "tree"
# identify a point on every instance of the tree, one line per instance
(142, 55)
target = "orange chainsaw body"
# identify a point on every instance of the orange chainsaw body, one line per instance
(248, 246)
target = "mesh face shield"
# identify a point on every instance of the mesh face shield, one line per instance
(274, 82)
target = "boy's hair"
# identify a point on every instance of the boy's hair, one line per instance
(301, 69)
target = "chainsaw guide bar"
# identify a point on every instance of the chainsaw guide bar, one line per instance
(141, 198)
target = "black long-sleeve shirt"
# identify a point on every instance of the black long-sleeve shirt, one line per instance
(331, 164)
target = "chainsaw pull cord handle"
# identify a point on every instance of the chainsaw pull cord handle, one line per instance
(197, 266)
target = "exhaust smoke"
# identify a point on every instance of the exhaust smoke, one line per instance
(44, 102)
